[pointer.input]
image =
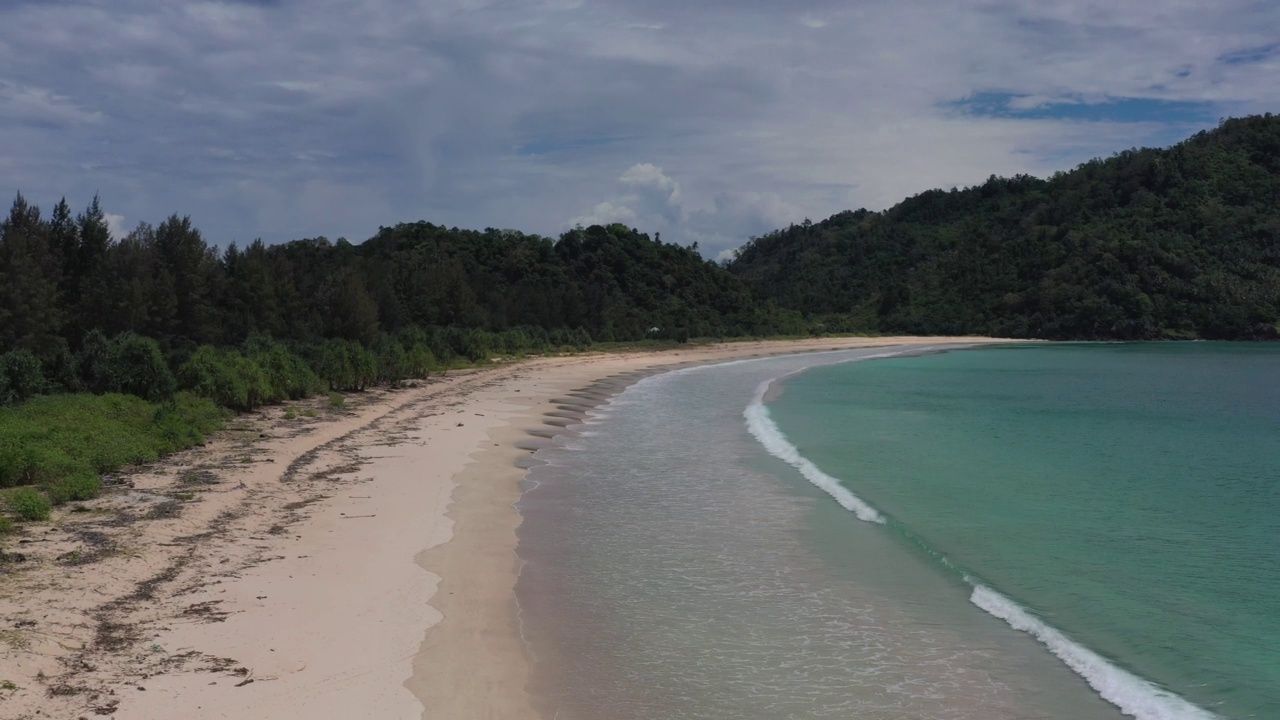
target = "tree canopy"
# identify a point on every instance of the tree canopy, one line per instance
(1181, 242)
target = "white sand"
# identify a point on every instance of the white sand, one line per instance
(391, 597)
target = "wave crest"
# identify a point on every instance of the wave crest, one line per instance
(766, 431)
(1133, 695)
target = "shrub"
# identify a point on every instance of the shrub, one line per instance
(137, 367)
(208, 374)
(392, 361)
(29, 504)
(336, 400)
(6, 525)
(475, 345)
(77, 487)
(419, 361)
(257, 388)
(288, 376)
(21, 376)
(335, 367)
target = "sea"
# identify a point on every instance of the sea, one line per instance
(1072, 531)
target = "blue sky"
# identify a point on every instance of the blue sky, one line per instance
(710, 121)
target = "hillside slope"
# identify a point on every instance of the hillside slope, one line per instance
(1151, 243)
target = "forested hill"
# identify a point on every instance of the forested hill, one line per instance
(1178, 242)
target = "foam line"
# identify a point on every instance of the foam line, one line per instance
(762, 427)
(1133, 695)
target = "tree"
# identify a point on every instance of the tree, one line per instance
(30, 312)
(353, 313)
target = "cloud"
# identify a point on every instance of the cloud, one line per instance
(116, 226)
(648, 198)
(26, 103)
(705, 121)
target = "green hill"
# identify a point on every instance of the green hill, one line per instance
(1154, 243)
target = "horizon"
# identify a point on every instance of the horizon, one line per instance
(279, 120)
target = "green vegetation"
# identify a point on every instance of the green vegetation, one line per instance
(62, 444)
(29, 504)
(1175, 243)
(117, 351)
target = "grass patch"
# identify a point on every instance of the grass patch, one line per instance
(63, 443)
(336, 400)
(290, 414)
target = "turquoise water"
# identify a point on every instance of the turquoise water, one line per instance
(1079, 532)
(1125, 496)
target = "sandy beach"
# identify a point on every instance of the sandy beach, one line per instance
(331, 562)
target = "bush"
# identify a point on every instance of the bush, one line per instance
(347, 365)
(335, 367)
(288, 377)
(29, 504)
(392, 361)
(256, 386)
(6, 526)
(336, 400)
(137, 367)
(475, 345)
(419, 361)
(21, 377)
(208, 374)
(77, 487)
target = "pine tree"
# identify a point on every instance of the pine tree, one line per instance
(30, 317)
(91, 284)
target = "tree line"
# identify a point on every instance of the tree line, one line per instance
(162, 309)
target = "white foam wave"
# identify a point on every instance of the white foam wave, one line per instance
(762, 427)
(1133, 695)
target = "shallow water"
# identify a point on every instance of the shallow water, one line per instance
(1125, 496)
(673, 568)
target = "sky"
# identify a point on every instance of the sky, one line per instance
(709, 121)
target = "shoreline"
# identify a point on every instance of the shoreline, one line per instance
(474, 662)
(364, 565)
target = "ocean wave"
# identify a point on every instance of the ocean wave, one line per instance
(762, 427)
(1133, 695)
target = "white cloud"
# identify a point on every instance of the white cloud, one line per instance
(747, 115)
(605, 213)
(29, 103)
(116, 226)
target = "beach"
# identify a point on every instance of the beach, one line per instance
(342, 562)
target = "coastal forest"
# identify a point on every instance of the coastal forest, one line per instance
(146, 339)
(1173, 243)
